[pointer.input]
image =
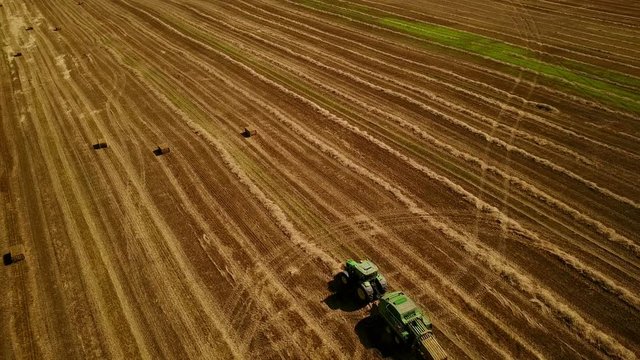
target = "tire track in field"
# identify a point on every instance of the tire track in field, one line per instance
(278, 214)
(584, 329)
(593, 276)
(502, 106)
(450, 74)
(56, 178)
(452, 120)
(589, 19)
(595, 19)
(429, 95)
(401, 257)
(521, 69)
(572, 97)
(537, 193)
(466, 92)
(21, 337)
(63, 299)
(543, 17)
(369, 108)
(598, 226)
(83, 146)
(198, 93)
(584, 58)
(404, 265)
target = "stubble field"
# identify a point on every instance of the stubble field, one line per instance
(484, 154)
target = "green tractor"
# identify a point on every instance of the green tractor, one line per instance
(408, 325)
(365, 278)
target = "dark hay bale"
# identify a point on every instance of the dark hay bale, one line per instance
(249, 133)
(7, 259)
(161, 150)
(101, 144)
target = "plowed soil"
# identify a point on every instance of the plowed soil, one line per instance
(484, 154)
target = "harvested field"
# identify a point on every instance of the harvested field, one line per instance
(486, 156)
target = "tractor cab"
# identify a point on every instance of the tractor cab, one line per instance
(364, 277)
(365, 269)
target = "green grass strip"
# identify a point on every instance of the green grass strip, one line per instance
(584, 79)
(513, 55)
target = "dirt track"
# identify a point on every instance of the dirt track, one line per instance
(504, 199)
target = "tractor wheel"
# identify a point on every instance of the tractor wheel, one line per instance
(397, 340)
(362, 295)
(343, 277)
(382, 285)
(365, 293)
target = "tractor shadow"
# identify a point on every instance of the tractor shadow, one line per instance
(342, 299)
(371, 334)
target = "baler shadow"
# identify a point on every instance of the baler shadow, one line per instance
(371, 334)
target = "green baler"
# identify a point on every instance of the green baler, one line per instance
(407, 324)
